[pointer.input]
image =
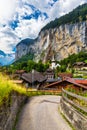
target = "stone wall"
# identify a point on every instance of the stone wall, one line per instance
(9, 110)
(74, 117)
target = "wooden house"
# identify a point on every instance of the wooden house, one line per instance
(67, 82)
(61, 75)
(33, 79)
(80, 66)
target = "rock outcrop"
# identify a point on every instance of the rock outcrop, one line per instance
(59, 42)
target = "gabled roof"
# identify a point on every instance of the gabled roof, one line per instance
(67, 79)
(33, 77)
(81, 81)
(80, 64)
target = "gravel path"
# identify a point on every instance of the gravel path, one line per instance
(41, 113)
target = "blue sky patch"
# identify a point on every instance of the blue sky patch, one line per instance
(14, 24)
(35, 15)
(32, 7)
(14, 49)
(55, 0)
(52, 3)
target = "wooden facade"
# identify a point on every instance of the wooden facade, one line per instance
(65, 83)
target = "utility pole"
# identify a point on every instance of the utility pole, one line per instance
(32, 78)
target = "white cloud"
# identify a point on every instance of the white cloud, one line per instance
(11, 10)
(29, 28)
(7, 38)
(7, 8)
(62, 7)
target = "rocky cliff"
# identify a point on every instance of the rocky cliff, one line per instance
(58, 42)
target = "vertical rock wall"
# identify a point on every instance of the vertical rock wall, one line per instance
(58, 42)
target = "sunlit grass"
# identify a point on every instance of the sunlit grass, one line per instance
(7, 86)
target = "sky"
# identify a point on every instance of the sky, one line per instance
(20, 19)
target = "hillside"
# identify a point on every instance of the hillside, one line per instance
(77, 15)
(70, 60)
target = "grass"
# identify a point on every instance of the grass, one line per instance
(7, 86)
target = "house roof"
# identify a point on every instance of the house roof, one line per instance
(81, 81)
(67, 79)
(80, 64)
(20, 71)
(17, 81)
(51, 80)
(33, 77)
(65, 75)
(49, 71)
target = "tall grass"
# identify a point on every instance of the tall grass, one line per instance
(7, 86)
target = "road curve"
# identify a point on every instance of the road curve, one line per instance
(41, 113)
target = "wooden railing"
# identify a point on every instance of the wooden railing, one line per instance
(72, 98)
(73, 109)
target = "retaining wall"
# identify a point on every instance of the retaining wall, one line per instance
(9, 110)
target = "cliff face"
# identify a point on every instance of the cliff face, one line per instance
(24, 47)
(58, 43)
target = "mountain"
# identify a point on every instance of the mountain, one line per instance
(6, 59)
(59, 38)
(2, 53)
(26, 46)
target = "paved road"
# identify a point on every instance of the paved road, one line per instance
(41, 113)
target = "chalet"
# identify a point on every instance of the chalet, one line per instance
(61, 75)
(33, 79)
(65, 83)
(80, 66)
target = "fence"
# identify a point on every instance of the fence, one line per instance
(74, 107)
